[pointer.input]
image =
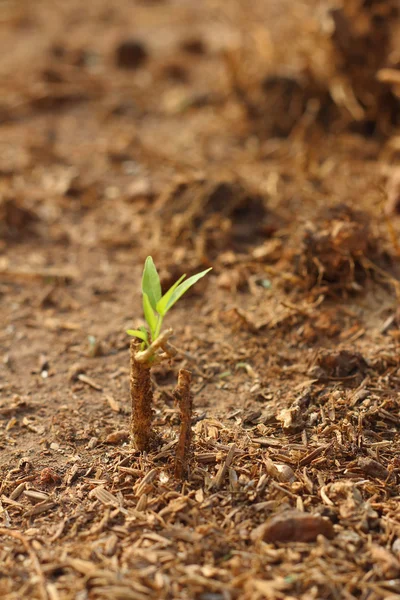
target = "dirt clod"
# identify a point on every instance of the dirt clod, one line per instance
(372, 467)
(214, 216)
(334, 246)
(342, 364)
(131, 54)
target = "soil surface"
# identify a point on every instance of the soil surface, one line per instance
(186, 130)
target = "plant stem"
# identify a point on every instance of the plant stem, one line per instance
(184, 398)
(142, 400)
(146, 356)
(158, 327)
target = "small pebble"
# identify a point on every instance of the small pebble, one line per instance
(92, 443)
(294, 526)
(117, 437)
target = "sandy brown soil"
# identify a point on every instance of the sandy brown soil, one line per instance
(183, 145)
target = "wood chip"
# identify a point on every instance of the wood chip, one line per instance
(104, 496)
(222, 471)
(114, 404)
(18, 491)
(11, 502)
(308, 458)
(268, 441)
(89, 381)
(39, 509)
(147, 479)
(35, 496)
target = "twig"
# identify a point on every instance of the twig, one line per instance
(216, 484)
(184, 398)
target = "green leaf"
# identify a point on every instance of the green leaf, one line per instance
(162, 304)
(138, 334)
(143, 329)
(149, 315)
(151, 282)
(183, 288)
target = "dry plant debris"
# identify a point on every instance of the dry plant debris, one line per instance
(254, 136)
(211, 216)
(339, 251)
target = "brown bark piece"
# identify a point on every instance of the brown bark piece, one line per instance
(296, 526)
(373, 468)
(142, 401)
(184, 399)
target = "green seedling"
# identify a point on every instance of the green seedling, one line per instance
(149, 348)
(156, 305)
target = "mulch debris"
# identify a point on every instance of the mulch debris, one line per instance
(262, 142)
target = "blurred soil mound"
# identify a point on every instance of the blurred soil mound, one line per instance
(339, 249)
(212, 216)
(343, 70)
(16, 219)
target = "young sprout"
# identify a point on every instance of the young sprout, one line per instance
(156, 305)
(147, 352)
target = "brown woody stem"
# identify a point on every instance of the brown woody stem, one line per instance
(184, 399)
(142, 400)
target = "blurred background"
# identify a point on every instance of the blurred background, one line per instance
(104, 104)
(203, 133)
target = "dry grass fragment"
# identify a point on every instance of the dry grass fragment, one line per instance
(35, 562)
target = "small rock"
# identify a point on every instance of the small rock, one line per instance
(293, 418)
(295, 526)
(229, 280)
(341, 364)
(117, 437)
(279, 472)
(195, 46)
(92, 443)
(95, 347)
(75, 370)
(373, 468)
(139, 188)
(131, 54)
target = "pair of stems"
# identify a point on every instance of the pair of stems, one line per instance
(142, 400)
